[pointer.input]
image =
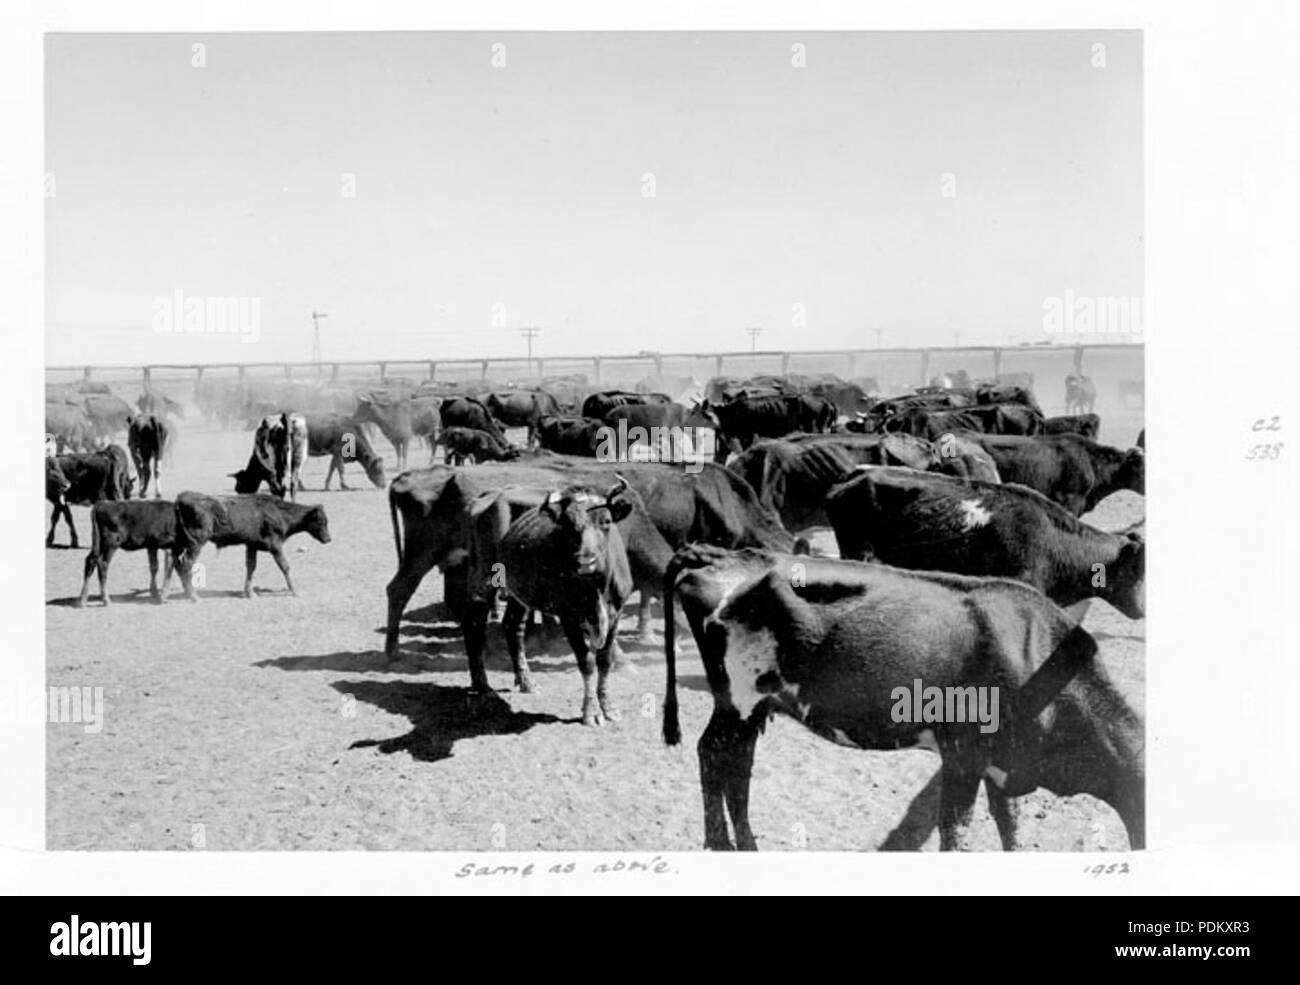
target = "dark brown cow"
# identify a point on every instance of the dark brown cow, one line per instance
(147, 437)
(259, 522)
(83, 479)
(130, 526)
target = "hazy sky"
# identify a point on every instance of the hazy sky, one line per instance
(488, 198)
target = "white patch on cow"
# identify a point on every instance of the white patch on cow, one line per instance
(973, 514)
(750, 655)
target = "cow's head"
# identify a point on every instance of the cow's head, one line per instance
(1132, 473)
(587, 544)
(317, 524)
(1126, 578)
(375, 472)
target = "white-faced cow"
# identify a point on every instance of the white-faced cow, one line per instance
(280, 446)
(840, 647)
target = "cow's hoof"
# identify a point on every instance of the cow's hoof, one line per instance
(593, 719)
(525, 685)
(612, 714)
(80, 603)
(624, 667)
(719, 846)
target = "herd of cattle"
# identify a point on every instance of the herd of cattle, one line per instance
(962, 558)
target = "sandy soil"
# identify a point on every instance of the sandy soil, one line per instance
(274, 723)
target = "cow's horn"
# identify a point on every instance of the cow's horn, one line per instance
(620, 487)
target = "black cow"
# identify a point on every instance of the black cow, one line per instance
(566, 557)
(522, 409)
(343, 440)
(571, 435)
(936, 523)
(432, 506)
(597, 405)
(260, 522)
(471, 444)
(1068, 469)
(840, 646)
(1009, 418)
(1080, 394)
(130, 526)
(742, 421)
(146, 438)
(83, 479)
(1086, 425)
(469, 412)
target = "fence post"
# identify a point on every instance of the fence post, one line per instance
(483, 370)
(785, 363)
(433, 370)
(241, 375)
(334, 372)
(1078, 360)
(85, 372)
(146, 377)
(997, 363)
(659, 365)
(925, 367)
(541, 368)
(383, 371)
(596, 371)
(717, 365)
(853, 364)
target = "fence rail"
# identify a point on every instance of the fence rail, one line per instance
(911, 366)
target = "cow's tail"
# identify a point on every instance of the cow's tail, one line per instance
(672, 726)
(397, 527)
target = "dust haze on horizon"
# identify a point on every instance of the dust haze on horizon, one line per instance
(433, 193)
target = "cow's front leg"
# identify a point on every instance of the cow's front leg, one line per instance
(168, 566)
(343, 484)
(67, 515)
(157, 481)
(54, 520)
(153, 575)
(475, 626)
(335, 461)
(591, 710)
(514, 626)
(278, 553)
(739, 766)
(603, 656)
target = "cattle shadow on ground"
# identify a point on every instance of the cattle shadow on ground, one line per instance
(922, 817)
(141, 596)
(440, 716)
(348, 661)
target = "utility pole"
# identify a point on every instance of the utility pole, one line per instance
(316, 316)
(879, 334)
(753, 338)
(530, 334)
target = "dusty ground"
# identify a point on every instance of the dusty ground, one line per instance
(274, 723)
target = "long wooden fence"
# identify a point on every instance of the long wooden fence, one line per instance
(894, 369)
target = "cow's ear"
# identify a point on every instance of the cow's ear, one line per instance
(619, 509)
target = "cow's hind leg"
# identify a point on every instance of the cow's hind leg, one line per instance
(66, 511)
(716, 760)
(417, 563)
(591, 710)
(1005, 814)
(93, 565)
(250, 565)
(514, 625)
(54, 520)
(153, 575)
(960, 776)
(278, 554)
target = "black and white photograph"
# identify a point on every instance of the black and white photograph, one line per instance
(476, 448)
(494, 348)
